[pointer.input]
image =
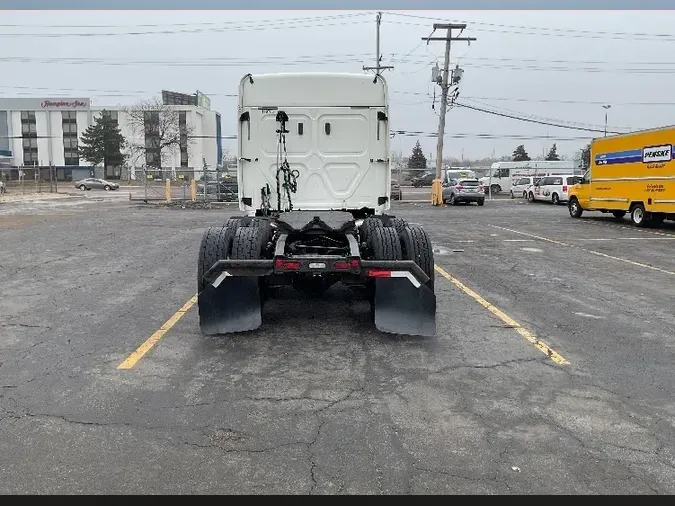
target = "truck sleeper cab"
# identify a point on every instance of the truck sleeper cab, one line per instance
(315, 187)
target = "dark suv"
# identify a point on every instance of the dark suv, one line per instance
(423, 180)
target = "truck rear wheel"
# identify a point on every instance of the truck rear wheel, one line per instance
(416, 246)
(215, 245)
(248, 243)
(384, 244)
(369, 224)
(397, 224)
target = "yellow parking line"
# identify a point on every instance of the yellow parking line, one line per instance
(596, 253)
(154, 338)
(543, 347)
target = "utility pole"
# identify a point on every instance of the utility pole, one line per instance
(606, 107)
(378, 57)
(436, 191)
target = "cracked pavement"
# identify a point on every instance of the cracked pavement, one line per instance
(316, 401)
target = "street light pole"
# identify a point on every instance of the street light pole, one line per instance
(606, 107)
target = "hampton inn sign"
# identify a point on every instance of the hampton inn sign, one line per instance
(64, 104)
(45, 104)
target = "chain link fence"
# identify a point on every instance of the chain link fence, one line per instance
(183, 184)
(28, 180)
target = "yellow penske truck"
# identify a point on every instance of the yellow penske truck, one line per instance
(630, 173)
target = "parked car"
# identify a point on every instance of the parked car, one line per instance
(396, 192)
(92, 183)
(463, 190)
(552, 188)
(521, 185)
(423, 180)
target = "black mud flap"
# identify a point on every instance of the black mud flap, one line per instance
(402, 308)
(234, 305)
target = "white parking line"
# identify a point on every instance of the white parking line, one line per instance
(596, 253)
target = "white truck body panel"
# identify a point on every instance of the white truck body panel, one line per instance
(343, 166)
(504, 173)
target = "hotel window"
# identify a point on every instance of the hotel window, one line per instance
(69, 123)
(182, 127)
(29, 138)
(153, 153)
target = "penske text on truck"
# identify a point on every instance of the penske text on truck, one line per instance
(630, 173)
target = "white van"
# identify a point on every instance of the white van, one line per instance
(503, 174)
(520, 186)
(552, 188)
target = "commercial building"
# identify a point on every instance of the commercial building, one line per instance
(44, 132)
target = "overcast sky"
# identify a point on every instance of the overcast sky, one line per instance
(556, 67)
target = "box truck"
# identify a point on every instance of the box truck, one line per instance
(630, 173)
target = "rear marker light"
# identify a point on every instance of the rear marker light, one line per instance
(287, 265)
(379, 273)
(346, 265)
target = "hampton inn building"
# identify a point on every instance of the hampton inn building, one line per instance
(46, 131)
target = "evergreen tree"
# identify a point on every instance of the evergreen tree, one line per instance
(102, 142)
(553, 154)
(520, 155)
(585, 157)
(417, 159)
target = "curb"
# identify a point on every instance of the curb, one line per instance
(33, 201)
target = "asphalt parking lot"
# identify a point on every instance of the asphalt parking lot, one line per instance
(551, 371)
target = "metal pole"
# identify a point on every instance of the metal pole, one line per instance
(377, 44)
(145, 184)
(444, 106)
(377, 68)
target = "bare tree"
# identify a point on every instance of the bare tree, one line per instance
(158, 133)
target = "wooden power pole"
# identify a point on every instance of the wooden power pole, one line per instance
(437, 189)
(378, 57)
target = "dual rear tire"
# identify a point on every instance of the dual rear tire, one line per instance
(236, 239)
(401, 241)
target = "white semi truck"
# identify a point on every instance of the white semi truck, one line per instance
(314, 188)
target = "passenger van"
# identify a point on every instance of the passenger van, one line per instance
(521, 185)
(552, 188)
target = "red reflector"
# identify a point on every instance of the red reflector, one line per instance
(342, 266)
(287, 265)
(355, 263)
(379, 273)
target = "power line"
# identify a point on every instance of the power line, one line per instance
(561, 32)
(273, 25)
(544, 100)
(126, 93)
(490, 136)
(201, 23)
(529, 120)
(318, 61)
(541, 118)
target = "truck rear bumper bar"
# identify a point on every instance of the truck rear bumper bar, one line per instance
(317, 265)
